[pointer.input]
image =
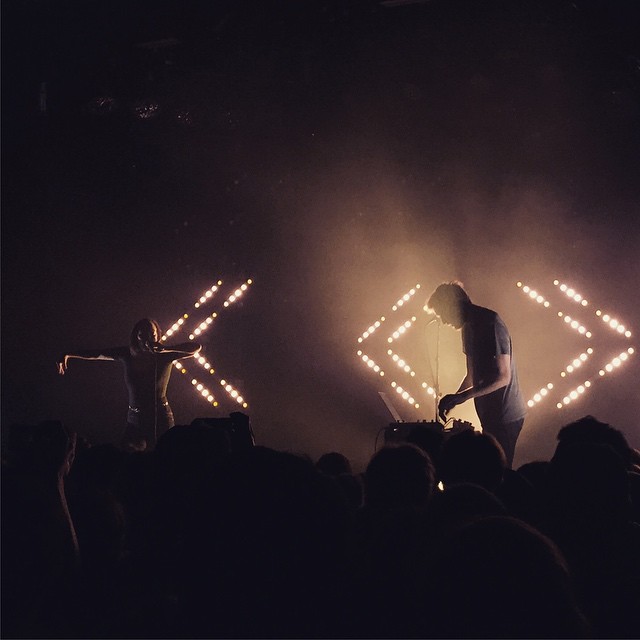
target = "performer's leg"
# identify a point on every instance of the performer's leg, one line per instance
(506, 433)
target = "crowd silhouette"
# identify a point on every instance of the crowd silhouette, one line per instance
(207, 537)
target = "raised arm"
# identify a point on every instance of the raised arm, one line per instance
(86, 354)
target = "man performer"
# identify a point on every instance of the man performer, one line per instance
(492, 378)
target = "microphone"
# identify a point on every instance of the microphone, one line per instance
(434, 319)
(156, 347)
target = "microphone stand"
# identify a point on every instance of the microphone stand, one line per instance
(436, 387)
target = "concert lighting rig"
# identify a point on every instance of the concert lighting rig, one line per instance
(576, 322)
(197, 330)
(573, 394)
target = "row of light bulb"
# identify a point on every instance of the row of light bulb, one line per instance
(534, 295)
(175, 327)
(204, 298)
(203, 326)
(233, 393)
(376, 325)
(207, 295)
(204, 392)
(611, 366)
(575, 325)
(401, 363)
(616, 362)
(430, 390)
(238, 293)
(405, 298)
(371, 363)
(401, 330)
(571, 293)
(574, 394)
(614, 324)
(577, 362)
(540, 395)
(405, 395)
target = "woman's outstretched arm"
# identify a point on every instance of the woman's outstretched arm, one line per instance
(87, 354)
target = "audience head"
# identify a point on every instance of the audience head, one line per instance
(500, 578)
(588, 484)
(399, 476)
(588, 429)
(333, 464)
(473, 456)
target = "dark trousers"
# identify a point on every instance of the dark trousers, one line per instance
(506, 433)
(144, 427)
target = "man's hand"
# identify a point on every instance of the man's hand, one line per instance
(63, 365)
(447, 403)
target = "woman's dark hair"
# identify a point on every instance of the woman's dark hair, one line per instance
(145, 326)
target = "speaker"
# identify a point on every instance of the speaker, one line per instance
(237, 427)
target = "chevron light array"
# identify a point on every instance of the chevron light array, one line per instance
(583, 322)
(206, 298)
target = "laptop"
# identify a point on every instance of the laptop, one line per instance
(392, 410)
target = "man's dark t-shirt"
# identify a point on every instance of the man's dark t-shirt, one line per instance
(485, 336)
